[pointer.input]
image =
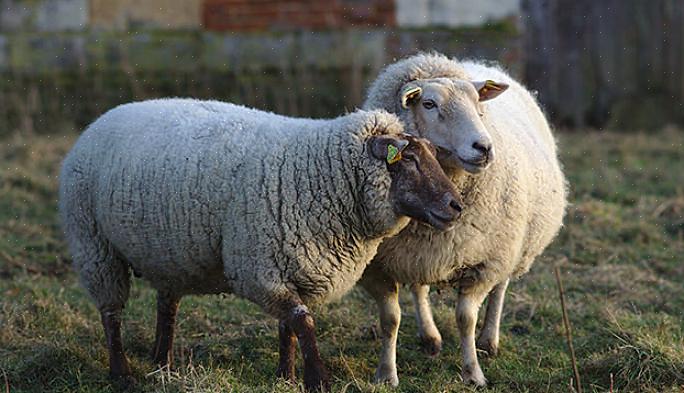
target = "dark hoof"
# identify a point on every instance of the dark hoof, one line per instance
(317, 381)
(286, 373)
(487, 347)
(161, 361)
(124, 383)
(431, 345)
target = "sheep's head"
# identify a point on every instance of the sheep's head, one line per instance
(420, 189)
(448, 111)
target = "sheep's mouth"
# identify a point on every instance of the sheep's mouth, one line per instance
(441, 221)
(474, 166)
(453, 160)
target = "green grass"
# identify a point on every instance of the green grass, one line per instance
(620, 254)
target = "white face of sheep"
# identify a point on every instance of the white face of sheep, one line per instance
(448, 113)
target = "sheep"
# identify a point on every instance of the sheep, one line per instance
(204, 197)
(515, 199)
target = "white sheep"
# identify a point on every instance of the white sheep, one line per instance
(515, 202)
(200, 197)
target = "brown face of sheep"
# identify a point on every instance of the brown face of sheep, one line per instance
(448, 113)
(420, 189)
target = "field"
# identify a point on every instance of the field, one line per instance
(620, 255)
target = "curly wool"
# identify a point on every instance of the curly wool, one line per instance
(512, 210)
(209, 197)
(383, 92)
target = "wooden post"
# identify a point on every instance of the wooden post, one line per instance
(568, 332)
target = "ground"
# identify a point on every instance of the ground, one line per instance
(620, 255)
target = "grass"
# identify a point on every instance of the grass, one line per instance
(620, 256)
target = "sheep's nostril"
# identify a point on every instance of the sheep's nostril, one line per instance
(454, 205)
(482, 148)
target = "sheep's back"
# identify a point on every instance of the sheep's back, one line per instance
(162, 176)
(202, 197)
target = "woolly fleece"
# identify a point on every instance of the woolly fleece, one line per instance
(208, 197)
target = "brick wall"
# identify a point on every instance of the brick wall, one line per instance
(264, 15)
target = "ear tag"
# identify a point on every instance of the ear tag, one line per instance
(393, 154)
(490, 85)
(408, 95)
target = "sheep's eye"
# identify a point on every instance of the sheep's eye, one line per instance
(411, 157)
(429, 104)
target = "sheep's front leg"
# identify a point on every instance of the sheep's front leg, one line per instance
(301, 322)
(288, 347)
(488, 340)
(430, 338)
(385, 291)
(469, 302)
(167, 308)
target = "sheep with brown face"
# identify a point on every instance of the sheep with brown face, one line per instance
(495, 142)
(201, 197)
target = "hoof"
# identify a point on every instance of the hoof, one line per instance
(384, 376)
(286, 373)
(161, 361)
(124, 383)
(431, 345)
(317, 381)
(474, 376)
(489, 348)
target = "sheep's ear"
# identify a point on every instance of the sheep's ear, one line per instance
(489, 89)
(409, 94)
(387, 147)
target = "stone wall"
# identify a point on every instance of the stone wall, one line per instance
(125, 15)
(248, 15)
(79, 15)
(43, 16)
(63, 62)
(50, 80)
(454, 13)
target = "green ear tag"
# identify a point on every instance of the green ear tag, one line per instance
(393, 154)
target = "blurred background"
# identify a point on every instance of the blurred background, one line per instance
(597, 63)
(609, 73)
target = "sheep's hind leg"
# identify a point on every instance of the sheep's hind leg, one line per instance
(114, 279)
(106, 277)
(469, 302)
(385, 291)
(119, 369)
(316, 377)
(488, 341)
(167, 308)
(288, 348)
(430, 338)
(108, 283)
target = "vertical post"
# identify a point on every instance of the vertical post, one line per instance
(568, 332)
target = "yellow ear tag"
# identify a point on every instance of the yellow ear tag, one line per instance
(490, 84)
(393, 154)
(409, 95)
